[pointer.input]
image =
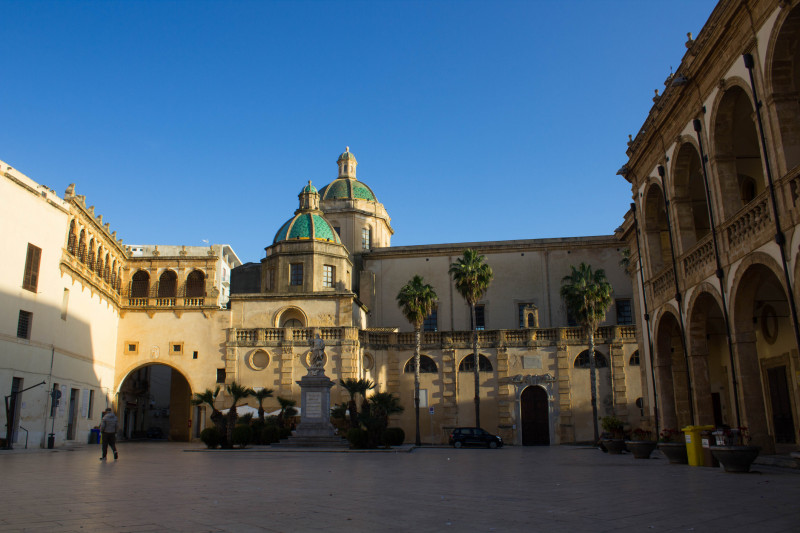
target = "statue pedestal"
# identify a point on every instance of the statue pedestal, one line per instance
(315, 428)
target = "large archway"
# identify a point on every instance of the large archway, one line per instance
(784, 70)
(672, 382)
(154, 401)
(656, 231)
(689, 200)
(763, 344)
(535, 411)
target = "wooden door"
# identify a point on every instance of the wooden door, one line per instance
(535, 417)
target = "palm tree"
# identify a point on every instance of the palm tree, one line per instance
(287, 410)
(363, 385)
(352, 387)
(382, 405)
(587, 295)
(237, 392)
(261, 395)
(209, 397)
(472, 277)
(416, 300)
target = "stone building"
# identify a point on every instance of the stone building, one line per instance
(182, 320)
(713, 227)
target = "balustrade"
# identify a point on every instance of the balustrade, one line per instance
(664, 282)
(699, 258)
(751, 223)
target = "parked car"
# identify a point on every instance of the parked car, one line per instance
(474, 437)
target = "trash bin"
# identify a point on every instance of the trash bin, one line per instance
(694, 444)
(94, 436)
(707, 438)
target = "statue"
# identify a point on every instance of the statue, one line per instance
(317, 363)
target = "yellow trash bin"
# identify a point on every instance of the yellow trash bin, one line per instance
(694, 444)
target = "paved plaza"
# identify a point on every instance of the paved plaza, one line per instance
(179, 487)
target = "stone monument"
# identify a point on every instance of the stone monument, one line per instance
(315, 428)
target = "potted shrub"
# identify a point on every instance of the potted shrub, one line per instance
(641, 444)
(672, 444)
(733, 451)
(612, 435)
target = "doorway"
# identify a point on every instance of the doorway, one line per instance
(73, 414)
(782, 421)
(535, 411)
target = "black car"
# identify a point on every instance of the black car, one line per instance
(474, 437)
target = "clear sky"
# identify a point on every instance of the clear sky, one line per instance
(202, 120)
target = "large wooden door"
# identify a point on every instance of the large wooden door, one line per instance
(535, 417)
(781, 405)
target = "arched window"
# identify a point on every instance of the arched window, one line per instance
(196, 284)
(468, 364)
(582, 361)
(99, 265)
(426, 365)
(91, 258)
(82, 247)
(292, 318)
(72, 239)
(140, 285)
(114, 275)
(168, 284)
(107, 269)
(634, 360)
(119, 279)
(292, 323)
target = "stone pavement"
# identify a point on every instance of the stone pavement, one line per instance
(157, 486)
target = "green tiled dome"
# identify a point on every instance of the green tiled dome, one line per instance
(309, 189)
(347, 188)
(307, 226)
(347, 155)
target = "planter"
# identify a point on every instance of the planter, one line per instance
(614, 446)
(675, 452)
(641, 449)
(735, 458)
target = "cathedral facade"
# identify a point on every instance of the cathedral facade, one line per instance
(145, 327)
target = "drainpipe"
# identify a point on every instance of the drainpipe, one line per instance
(678, 297)
(646, 317)
(720, 272)
(780, 238)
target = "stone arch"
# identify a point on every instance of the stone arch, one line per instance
(656, 232)
(688, 202)
(135, 400)
(582, 360)
(735, 148)
(196, 284)
(72, 238)
(782, 81)
(140, 284)
(82, 246)
(90, 260)
(288, 314)
(168, 284)
(468, 364)
(670, 367)
(709, 358)
(426, 365)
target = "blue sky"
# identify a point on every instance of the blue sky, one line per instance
(471, 121)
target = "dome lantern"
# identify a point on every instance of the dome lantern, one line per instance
(347, 164)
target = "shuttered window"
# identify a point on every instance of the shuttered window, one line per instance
(30, 280)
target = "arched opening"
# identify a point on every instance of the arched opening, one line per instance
(140, 284)
(656, 231)
(689, 202)
(99, 264)
(468, 364)
(196, 284)
(583, 361)
(426, 365)
(82, 247)
(107, 269)
(671, 378)
(168, 284)
(72, 239)
(710, 362)
(154, 402)
(634, 359)
(535, 413)
(91, 255)
(763, 343)
(292, 318)
(737, 152)
(785, 71)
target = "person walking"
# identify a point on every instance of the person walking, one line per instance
(108, 427)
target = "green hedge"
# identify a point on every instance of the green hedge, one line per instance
(211, 437)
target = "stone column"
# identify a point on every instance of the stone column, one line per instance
(753, 414)
(620, 395)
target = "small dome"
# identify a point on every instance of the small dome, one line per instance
(348, 189)
(307, 226)
(309, 189)
(347, 155)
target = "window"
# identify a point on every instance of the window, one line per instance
(634, 360)
(366, 238)
(131, 348)
(196, 284)
(24, 324)
(468, 364)
(328, 275)
(220, 375)
(480, 318)
(176, 348)
(624, 312)
(168, 284)
(582, 361)
(338, 230)
(64, 304)
(571, 320)
(90, 409)
(431, 322)
(426, 365)
(140, 284)
(271, 279)
(296, 274)
(194, 355)
(30, 281)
